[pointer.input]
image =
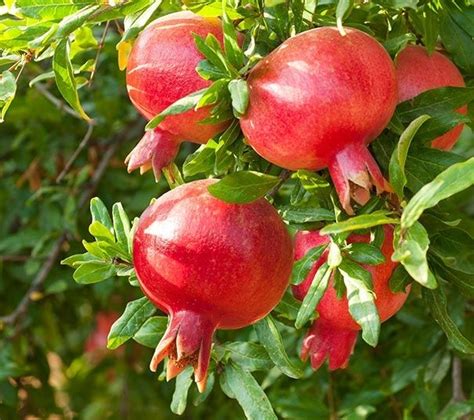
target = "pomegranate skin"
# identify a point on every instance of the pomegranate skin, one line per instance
(317, 101)
(334, 333)
(418, 71)
(162, 69)
(209, 265)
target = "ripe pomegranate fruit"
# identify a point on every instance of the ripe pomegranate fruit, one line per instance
(317, 101)
(419, 71)
(333, 335)
(162, 69)
(209, 265)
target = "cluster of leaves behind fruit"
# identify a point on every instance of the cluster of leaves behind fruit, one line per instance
(421, 177)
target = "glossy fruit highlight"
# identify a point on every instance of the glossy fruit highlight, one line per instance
(334, 334)
(419, 71)
(162, 69)
(209, 265)
(317, 101)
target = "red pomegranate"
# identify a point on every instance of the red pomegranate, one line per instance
(419, 71)
(317, 101)
(333, 335)
(209, 265)
(162, 69)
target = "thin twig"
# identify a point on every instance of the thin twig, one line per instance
(57, 102)
(99, 49)
(331, 399)
(41, 276)
(76, 153)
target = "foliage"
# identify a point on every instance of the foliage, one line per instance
(69, 126)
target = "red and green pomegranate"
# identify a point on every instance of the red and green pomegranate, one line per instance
(419, 71)
(162, 69)
(209, 265)
(317, 101)
(334, 333)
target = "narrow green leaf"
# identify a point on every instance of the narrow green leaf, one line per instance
(410, 248)
(334, 255)
(139, 21)
(134, 316)
(93, 272)
(395, 44)
(400, 279)
(430, 28)
(99, 213)
(121, 224)
(65, 80)
(314, 295)
(302, 267)
(243, 187)
(231, 44)
(306, 214)
(436, 301)
(343, 9)
(288, 307)
(364, 221)
(214, 93)
(151, 331)
(212, 50)
(239, 92)
(249, 394)
(248, 355)
(270, 337)
(361, 300)
(100, 232)
(366, 253)
(396, 168)
(456, 178)
(180, 106)
(76, 260)
(7, 92)
(180, 395)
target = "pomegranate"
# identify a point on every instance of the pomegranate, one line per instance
(317, 101)
(419, 71)
(162, 69)
(333, 335)
(209, 265)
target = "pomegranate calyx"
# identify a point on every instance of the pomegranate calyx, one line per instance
(354, 173)
(156, 149)
(186, 342)
(325, 341)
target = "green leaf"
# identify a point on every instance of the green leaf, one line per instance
(310, 180)
(100, 232)
(288, 307)
(209, 71)
(364, 221)
(93, 272)
(314, 295)
(302, 267)
(430, 22)
(395, 44)
(410, 247)
(361, 300)
(334, 255)
(72, 22)
(456, 178)
(180, 395)
(343, 9)
(231, 44)
(134, 316)
(270, 337)
(243, 187)
(306, 214)
(214, 93)
(138, 22)
(455, 247)
(436, 301)
(76, 260)
(246, 390)
(151, 331)
(50, 9)
(7, 92)
(181, 105)
(248, 355)
(366, 253)
(400, 279)
(121, 224)
(99, 213)
(65, 80)
(398, 179)
(211, 49)
(239, 92)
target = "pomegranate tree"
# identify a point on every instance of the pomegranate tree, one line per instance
(162, 69)
(419, 71)
(317, 101)
(209, 265)
(333, 335)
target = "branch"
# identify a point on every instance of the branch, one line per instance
(456, 375)
(62, 106)
(41, 276)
